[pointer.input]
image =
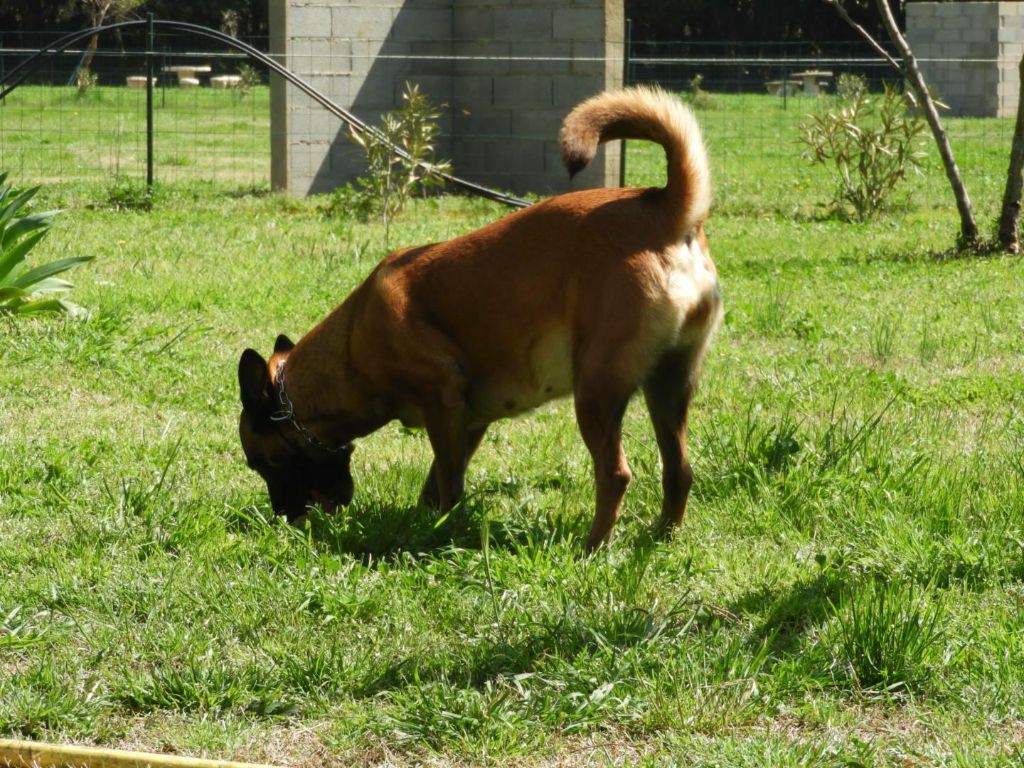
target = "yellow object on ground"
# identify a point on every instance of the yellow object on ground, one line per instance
(34, 754)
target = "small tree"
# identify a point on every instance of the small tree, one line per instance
(99, 11)
(909, 70)
(870, 143)
(392, 177)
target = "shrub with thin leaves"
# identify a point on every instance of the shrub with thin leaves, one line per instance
(392, 179)
(23, 289)
(870, 143)
(850, 86)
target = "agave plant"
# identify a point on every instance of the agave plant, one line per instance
(24, 290)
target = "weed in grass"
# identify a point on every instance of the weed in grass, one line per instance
(209, 686)
(48, 697)
(972, 348)
(176, 160)
(884, 635)
(130, 196)
(883, 337)
(989, 318)
(770, 316)
(929, 345)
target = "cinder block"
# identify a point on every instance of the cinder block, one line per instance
(571, 89)
(483, 123)
(473, 23)
(479, 58)
(578, 24)
(432, 57)
(522, 155)
(541, 57)
(543, 124)
(362, 23)
(413, 23)
(522, 24)
(522, 91)
(364, 56)
(473, 93)
(1012, 34)
(978, 35)
(309, 21)
(984, 50)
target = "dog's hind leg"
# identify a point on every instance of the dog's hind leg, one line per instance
(599, 412)
(430, 495)
(668, 391)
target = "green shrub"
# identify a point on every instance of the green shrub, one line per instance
(870, 144)
(391, 180)
(850, 87)
(24, 290)
(697, 96)
(250, 78)
(85, 81)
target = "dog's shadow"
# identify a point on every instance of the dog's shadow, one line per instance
(372, 531)
(788, 613)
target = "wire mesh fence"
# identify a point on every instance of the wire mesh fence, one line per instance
(751, 98)
(81, 117)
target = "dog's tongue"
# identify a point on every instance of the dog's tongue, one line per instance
(326, 503)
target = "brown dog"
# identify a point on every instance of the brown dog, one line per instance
(594, 293)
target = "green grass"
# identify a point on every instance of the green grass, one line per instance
(52, 134)
(846, 589)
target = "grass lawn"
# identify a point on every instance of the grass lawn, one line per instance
(847, 589)
(53, 135)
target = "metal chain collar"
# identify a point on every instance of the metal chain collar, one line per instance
(287, 413)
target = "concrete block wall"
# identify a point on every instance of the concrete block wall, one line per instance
(969, 53)
(506, 75)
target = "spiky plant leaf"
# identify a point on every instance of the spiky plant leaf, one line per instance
(25, 290)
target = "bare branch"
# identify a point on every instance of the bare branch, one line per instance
(968, 224)
(837, 4)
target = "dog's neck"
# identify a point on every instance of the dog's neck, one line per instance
(325, 389)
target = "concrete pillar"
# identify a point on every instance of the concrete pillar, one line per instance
(506, 73)
(969, 52)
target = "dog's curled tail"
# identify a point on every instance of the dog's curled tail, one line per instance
(652, 114)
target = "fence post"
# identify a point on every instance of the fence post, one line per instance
(625, 82)
(149, 100)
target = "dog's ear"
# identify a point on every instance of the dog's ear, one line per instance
(283, 344)
(255, 385)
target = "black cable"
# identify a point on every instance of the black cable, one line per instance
(16, 76)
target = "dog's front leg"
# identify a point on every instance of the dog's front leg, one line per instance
(446, 429)
(430, 495)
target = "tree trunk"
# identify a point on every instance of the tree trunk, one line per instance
(1014, 180)
(90, 54)
(968, 225)
(98, 14)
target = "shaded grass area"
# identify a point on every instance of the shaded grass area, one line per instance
(846, 589)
